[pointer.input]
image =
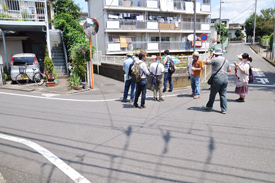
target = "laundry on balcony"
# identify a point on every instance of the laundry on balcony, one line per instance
(123, 42)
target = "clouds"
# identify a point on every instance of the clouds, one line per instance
(238, 10)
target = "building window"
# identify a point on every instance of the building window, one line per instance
(13, 5)
(156, 39)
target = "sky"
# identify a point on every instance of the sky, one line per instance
(234, 10)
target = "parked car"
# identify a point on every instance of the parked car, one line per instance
(19, 60)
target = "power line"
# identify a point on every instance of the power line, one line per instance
(243, 11)
(105, 11)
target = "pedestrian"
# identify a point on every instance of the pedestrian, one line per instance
(195, 68)
(141, 86)
(220, 67)
(243, 76)
(157, 69)
(128, 79)
(167, 75)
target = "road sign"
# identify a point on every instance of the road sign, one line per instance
(204, 37)
(91, 27)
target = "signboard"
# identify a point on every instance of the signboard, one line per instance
(197, 44)
(204, 37)
(91, 27)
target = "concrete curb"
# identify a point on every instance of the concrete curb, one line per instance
(262, 57)
(2, 180)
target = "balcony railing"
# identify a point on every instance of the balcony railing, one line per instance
(124, 46)
(154, 25)
(183, 5)
(20, 10)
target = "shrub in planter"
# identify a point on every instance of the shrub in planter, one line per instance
(49, 66)
(75, 80)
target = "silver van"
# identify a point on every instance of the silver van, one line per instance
(19, 60)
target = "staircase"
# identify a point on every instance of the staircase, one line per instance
(57, 50)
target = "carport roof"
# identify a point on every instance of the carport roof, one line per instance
(22, 26)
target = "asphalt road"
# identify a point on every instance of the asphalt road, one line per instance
(44, 140)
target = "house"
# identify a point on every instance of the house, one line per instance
(236, 26)
(214, 34)
(25, 28)
(151, 25)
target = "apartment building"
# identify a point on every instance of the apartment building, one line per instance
(152, 25)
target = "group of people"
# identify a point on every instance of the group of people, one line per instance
(220, 67)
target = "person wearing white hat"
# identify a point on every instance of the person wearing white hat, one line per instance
(128, 79)
(220, 67)
(195, 68)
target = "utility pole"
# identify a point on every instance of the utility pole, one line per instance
(195, 19)
(273, 49)
(221, 25)
(254, 31)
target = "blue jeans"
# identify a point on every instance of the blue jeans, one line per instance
(141, 88)
(129, 83)
(195, 85)
(167, 76)
(220, 83)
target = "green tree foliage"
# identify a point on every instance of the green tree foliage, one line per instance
(264, 23)
(271, 41)
(238, 33)
(224, 31)
(67, 6)
(49, 66)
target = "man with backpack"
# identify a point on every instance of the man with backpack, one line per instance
(128, 79)
(168, 71)
(139, 73)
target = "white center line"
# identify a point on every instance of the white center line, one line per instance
(69, 171)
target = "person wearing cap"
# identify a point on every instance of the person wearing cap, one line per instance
(157, 69)
(195, 68)
(220, 67)
(128, 79)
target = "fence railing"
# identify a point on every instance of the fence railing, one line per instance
(22, 10)
(126, 44)
(119, 24)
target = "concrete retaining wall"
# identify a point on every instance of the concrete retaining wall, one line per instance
(180, 77)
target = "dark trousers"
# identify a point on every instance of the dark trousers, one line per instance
(141, 88)
(168, 76)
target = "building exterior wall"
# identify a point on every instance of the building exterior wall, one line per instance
(131, 25)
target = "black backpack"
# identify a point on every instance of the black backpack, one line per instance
(171, 68)
(130, 68)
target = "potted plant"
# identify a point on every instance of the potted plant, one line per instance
(75, 81)
(49, 67)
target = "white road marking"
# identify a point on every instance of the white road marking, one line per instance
(50, 95)
(76, 100)
(69, 171)
(261, 85)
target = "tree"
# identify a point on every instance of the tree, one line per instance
(224, 31)
(238, 32)
(67, 6)
(264, 23)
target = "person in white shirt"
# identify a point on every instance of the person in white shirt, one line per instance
(157, 69)
(141, 86)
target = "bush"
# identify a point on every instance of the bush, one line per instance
(264, 41)
(74, 79)
(271, 41)
(49, 66)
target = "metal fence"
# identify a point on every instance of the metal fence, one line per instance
(22, 10)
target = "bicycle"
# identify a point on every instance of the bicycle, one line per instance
(38, 77)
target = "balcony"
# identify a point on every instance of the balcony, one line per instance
(22, 11)
(125, 45)
(171, 6)
(154, 26)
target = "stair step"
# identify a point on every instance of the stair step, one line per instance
(59, 64)
(58, 60)
(57, 54)
(58, 57)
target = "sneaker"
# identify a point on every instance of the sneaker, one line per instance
(143, 106)
(135, 106)
(161, 100)
(207, 108)
(196, 97)
(170, 90)
(223, 112)
(164, 90)
(156, 99)
(240, 100)
(131, 101)
(124, 100)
